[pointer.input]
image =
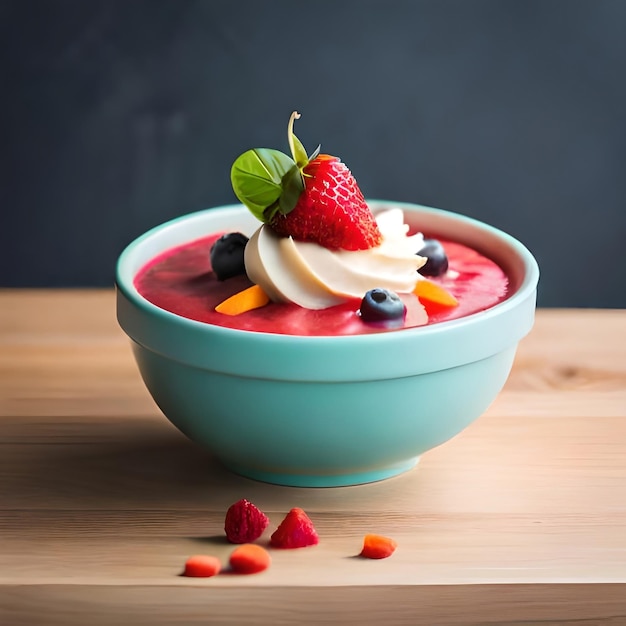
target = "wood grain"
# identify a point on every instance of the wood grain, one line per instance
(520, 519)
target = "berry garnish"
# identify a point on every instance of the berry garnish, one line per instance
(295, 531)
(244, 522)
(437, 263)
(227, 255)
(380, 305)
(310, 198)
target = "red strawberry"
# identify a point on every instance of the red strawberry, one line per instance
(331, 211)
(295, 531)
(312, 198)
(244, 522)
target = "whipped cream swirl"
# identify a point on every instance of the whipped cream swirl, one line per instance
(315, 277)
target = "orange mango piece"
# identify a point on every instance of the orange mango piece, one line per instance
(377, 546)
(202, 566)
(249, 558)
(246, 300)
(427, 290)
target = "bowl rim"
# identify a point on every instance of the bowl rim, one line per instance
(133, 311)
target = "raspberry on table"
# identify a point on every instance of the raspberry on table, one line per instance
(244, 522)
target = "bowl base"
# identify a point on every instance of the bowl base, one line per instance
(323, 480)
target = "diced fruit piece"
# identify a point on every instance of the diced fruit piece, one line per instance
(380, 305)
(244, 522)
(202, 566)
(432, 292)
(246, 300)
(377, 546)
(437, 263)
(310, 198)
(249, 558)
(227, 255)
(295, 531)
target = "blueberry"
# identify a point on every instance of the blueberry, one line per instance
(227, 255)
(381, 305)
(437, 263)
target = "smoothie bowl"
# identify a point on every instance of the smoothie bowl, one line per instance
(327, 396)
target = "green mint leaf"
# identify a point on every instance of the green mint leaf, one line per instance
(257, 177)
(293, 185)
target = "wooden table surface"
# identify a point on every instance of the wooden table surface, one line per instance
(521, 519)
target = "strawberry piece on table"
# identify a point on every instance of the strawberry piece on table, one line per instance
(244, 522)
(310, 198)
(295, 531)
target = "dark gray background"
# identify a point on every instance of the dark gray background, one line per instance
(118, 115)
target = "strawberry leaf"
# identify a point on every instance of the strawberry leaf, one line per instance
(315, 153)
(299, 153)
(295, 145)
(257, 179)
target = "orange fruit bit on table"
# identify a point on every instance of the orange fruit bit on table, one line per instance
(251, 298)
(202, 566)
(428, 290)
(378, 547)
(249, 558)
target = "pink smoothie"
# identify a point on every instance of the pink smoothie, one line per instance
(181, 281)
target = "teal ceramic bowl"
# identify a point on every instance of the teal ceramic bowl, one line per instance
(325, 411)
